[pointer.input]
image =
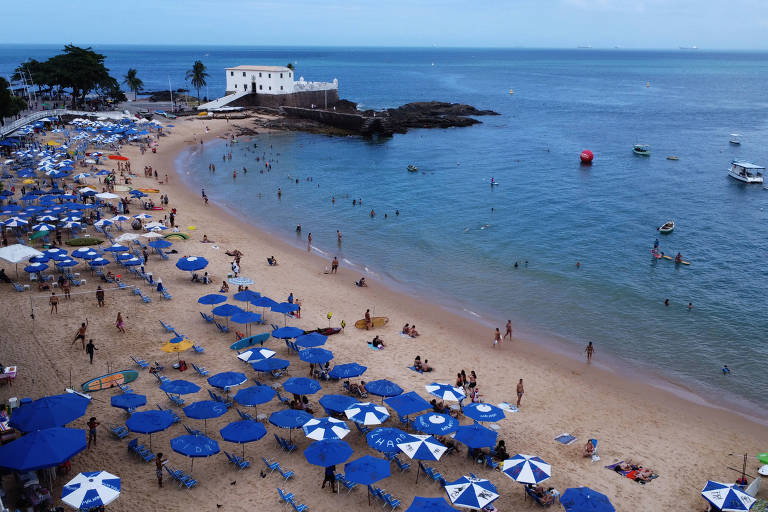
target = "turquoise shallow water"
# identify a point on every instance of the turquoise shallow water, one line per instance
(449, 246)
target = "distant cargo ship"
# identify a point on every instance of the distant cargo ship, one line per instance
(689, 48)
(585, 47)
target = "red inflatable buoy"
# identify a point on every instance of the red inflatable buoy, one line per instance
(586, 156)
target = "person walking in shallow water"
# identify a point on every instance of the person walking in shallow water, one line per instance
(509, 330)
(589, 350)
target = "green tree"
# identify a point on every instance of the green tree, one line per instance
(197, 76)
(10, 105)
(133, 82)
(79, 69)
(290, 66)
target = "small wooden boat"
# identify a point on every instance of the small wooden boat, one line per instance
(413, 168)
(735, 139)
(673, 157)
(667, 227)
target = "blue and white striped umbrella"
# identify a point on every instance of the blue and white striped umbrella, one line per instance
(726, 498)
(132, 262)
(98, 262)
(422, 447)
(123, 256)
(66, 263)
(479, 411)
(321, 429)
(446, 392)
(257, 354)
(471, 492)
(92, 489)
(367, 413)
(526, 469)
(35, 267)
(43, 227)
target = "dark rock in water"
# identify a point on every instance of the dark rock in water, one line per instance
(343, 118)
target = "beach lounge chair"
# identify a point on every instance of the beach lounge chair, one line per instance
(18, 287)
(160, 377)
(125, 388)
(285, 497)
(270, 464)
(181, 478)
(287, 445)
(488, 460)
(218, 398)
(362, 429)
(192, 431)
(166, 295)
(207, 318)
(168, 328)
(200, 370)
(281, 398)
(176, 399)
(403, 466)
(140, 362)
(137, 291)
(346, 483)
(176, 418)
(198, 349)
(245, 415)
(119, 431)
(285, 473)
(239, 462)
(390, 500)
(141, 450)
(223, 328)
(298, 507)
(146, 298)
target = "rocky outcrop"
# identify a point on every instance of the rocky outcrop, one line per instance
(346, 119)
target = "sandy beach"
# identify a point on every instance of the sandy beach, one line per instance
(684, 443)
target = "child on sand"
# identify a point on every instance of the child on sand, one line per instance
(119, 322)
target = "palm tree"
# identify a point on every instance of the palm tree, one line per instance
(133, 82)
(197, 76)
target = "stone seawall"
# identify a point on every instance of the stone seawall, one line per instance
(297, 99)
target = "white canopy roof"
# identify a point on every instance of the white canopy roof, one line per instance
(17, 253)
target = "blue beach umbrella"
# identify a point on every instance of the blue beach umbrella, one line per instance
(386, 439)
(212, 298)
(287, 332)
(302, 386)
(336, 403)
(271, 364)
(226, 310)
(53, 253)
(347, 370)
(39, 259)
(526, 469)
(285, 307)
(483, 412)
(91, 490)
(132, 262)
(99, 262)
(584, 499)
(367, 413)
(90, 255)
(192, 263)
(124, 256)
(116, 248)
(205, 410)
(42, 449)
(66, 263)
(128, 401)
(179, 387)
(408, 403)
(265, 302)
(435, 423)
(149, 422)
(194, 447)
(367, 470)
(254, 395)
(421, 447)
(246, 295)
(246, 317)
(328, 453)
(420, 504)
(321, 429)
(49, 411)
(315, 355)
(43, 227)
(727, 498)
(446, 392)
(160, 244)
(35, 267)
(383, 387)
(79, 253)
(471, 492)
(310, 340)
(226, 380)
(475, 436)
(242, 432)
(290, 419)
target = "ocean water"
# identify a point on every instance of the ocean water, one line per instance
(457, 239)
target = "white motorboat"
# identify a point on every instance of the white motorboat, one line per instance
(746, 172)
(735, 139)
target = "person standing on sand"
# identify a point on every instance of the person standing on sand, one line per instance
(80, 333)
(100, 296)
(509, 330)
(520, 392)
(92, 424)
(119, 322)
(330, 478)
(334, 265)
(89, 349)
(589, 350)
(367, 319)
(496, 337)
(159, 463)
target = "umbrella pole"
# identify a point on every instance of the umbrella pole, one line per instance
(418, 469)
(150, 441)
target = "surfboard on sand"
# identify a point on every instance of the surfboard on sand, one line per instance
(110, 380)
(250, 341)
(376, 321)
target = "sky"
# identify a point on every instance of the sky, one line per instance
(707, 24)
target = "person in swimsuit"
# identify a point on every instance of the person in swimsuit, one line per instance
(520, 391)
(472, 379)
(368, 323)
(334, 265)
(92, 424)
(119, 322)
(54, 302)
(589, 350)
(80, 333)
(159, 463)
(508, 332)
(496, 337)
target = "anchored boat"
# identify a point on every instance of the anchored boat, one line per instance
(746, 172)
(641, 149)
(667, 227)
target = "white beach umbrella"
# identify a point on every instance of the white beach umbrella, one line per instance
(367, 413)
(107, 195)
(446, 391)
(91, 490)
(127, 237)
(152, 234)
(321, 429)
(526, 469)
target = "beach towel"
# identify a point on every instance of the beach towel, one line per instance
(632, 474)
(370, 345)
(565, 438)
(414, 369)
(508, 407)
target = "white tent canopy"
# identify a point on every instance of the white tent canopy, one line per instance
(107, 195)
(127, 237)
(17, 253)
